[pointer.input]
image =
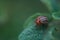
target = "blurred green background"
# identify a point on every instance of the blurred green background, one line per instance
(13, 14)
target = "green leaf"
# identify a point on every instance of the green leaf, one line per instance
(51, 4)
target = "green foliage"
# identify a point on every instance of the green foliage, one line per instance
(56, 15)
(48, 4)
(51, 5)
